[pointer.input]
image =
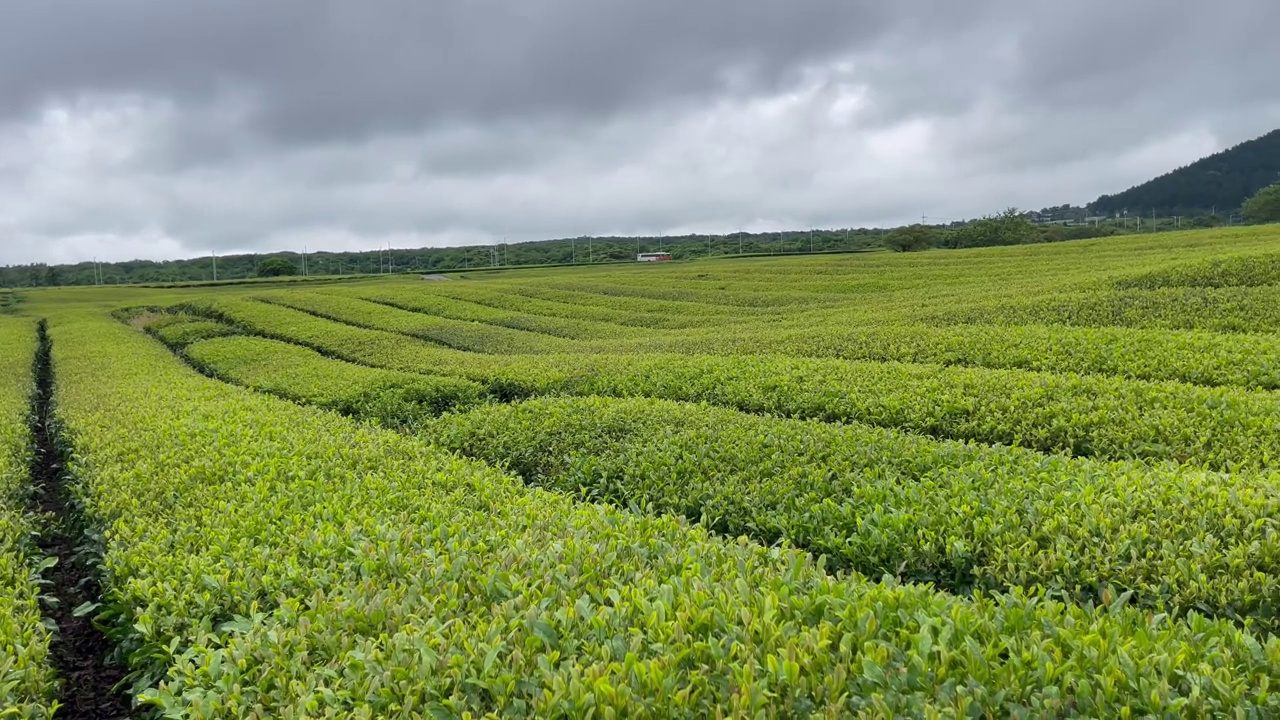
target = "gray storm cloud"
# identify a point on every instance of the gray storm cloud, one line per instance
(156, 129)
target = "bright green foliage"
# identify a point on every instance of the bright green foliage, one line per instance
(1264, 206)
(1081, 415)
(1230, 271)
(1010, 227)
(268, 560)
(463, 335)
(634, 312)
(187, 331)
(1196, 357)
(392, 398)
(436, 305)
(884, 502)
(265, 559)
(27, 683)
(770, 298)
(1218, 309)
(866, 498)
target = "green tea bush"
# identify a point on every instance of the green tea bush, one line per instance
(185, 332)
(392, 398)
(1218, 272)
(1216, 309)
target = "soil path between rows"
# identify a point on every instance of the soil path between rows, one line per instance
(80, 651)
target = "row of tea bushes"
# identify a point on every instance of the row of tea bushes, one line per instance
(395, 399)
(28, 685)
(522, 319)
(1216, 309)
(1188, 356)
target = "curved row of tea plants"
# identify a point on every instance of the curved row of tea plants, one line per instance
(1228, 271)
(27, 681)
(456, 334)
(268, 560)
(447, 307)
(879, 501)
(1094, 416)
(392, 398)
(655, 314)
(642, 288)
(1194, 357)
(180, 330)
(1217, 309)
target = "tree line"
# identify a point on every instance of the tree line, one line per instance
(563, 251)
(1012, 227)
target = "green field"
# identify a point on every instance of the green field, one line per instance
(1026, 481)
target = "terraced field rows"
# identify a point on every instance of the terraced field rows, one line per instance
(362, 571)
(867, 499)
(1033, 481)
(1092, 416)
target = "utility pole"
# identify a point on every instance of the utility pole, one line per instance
(811, 239)
(215, 266)
(391, 261)
(591, 255)
(739, 241)
(573, 251)
(304, 261)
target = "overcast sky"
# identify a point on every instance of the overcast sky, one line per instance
(162, 129)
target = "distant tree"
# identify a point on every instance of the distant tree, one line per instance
(1008, 228)
(1264, 206)
(277, 267)
(911, 238)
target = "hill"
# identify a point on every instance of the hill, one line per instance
(1220, 182)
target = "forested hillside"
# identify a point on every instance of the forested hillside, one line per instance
(1220, 182)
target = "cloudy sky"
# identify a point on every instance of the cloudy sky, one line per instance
(161, 129)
